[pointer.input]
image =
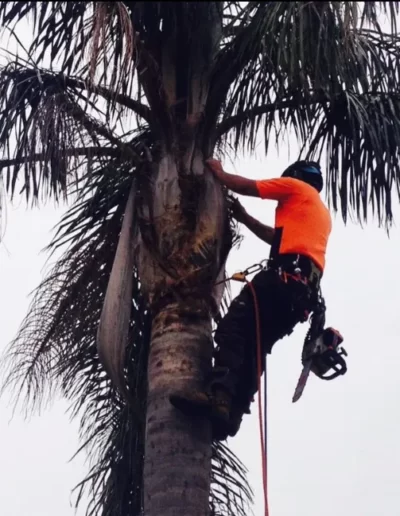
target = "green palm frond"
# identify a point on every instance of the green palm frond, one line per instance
(361, 61)
(307, 58)
(361, 135)
(287, 47)
(357, 128)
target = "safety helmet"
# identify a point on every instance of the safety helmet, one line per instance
(307, 171)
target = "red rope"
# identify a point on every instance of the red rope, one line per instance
(260, 414)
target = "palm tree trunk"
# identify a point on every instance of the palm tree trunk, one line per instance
(178, 450)
(181, 252)
(192, 246)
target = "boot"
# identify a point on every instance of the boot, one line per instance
(235, 421)
(226, 414)
(193, 403)
(221, 413)
(214, 405)
(239, 407)
(214, 402)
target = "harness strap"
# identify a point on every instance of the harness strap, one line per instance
(298, 267)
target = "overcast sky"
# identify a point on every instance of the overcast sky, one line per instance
(334, 452)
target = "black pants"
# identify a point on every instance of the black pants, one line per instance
(282, 305)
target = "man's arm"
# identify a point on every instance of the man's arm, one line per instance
(238, 184)
(262, 231)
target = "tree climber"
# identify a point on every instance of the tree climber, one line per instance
(287, 290)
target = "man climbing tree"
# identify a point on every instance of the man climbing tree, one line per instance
(116, 106)
(287, 290)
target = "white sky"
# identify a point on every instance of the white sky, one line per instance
(334, 452)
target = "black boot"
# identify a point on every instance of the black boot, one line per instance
(214, 402)
(239, 408)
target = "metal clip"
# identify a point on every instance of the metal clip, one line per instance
(253, 268)
(297, 269)
(241, 276)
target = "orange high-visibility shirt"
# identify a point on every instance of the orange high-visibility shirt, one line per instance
(301, 216)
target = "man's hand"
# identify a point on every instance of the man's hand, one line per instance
(237, 184)
(262, 231)
(238, 211)
(215, 166)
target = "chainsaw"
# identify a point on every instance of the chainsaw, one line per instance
(322, 352)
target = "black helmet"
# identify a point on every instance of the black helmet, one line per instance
(307, 171)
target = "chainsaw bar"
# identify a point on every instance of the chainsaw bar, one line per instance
(302, 381)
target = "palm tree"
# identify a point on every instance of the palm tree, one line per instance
(125, 316)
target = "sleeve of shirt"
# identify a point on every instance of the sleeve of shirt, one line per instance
(276, 189)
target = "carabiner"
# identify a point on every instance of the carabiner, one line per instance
(253, 268)
(257, 267)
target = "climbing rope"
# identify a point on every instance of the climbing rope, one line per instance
(242, 277)
(265, 435)
(263, 429)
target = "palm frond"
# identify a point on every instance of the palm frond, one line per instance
(231, 493)
(302, 50)
(99, 42)
(66, 32)
(113, 331)
(57, 126)
(112, 434)
(56, 346)
(311, 56)
(48, 334)
(361, 136)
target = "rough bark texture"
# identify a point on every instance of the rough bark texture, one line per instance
(178, 452)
